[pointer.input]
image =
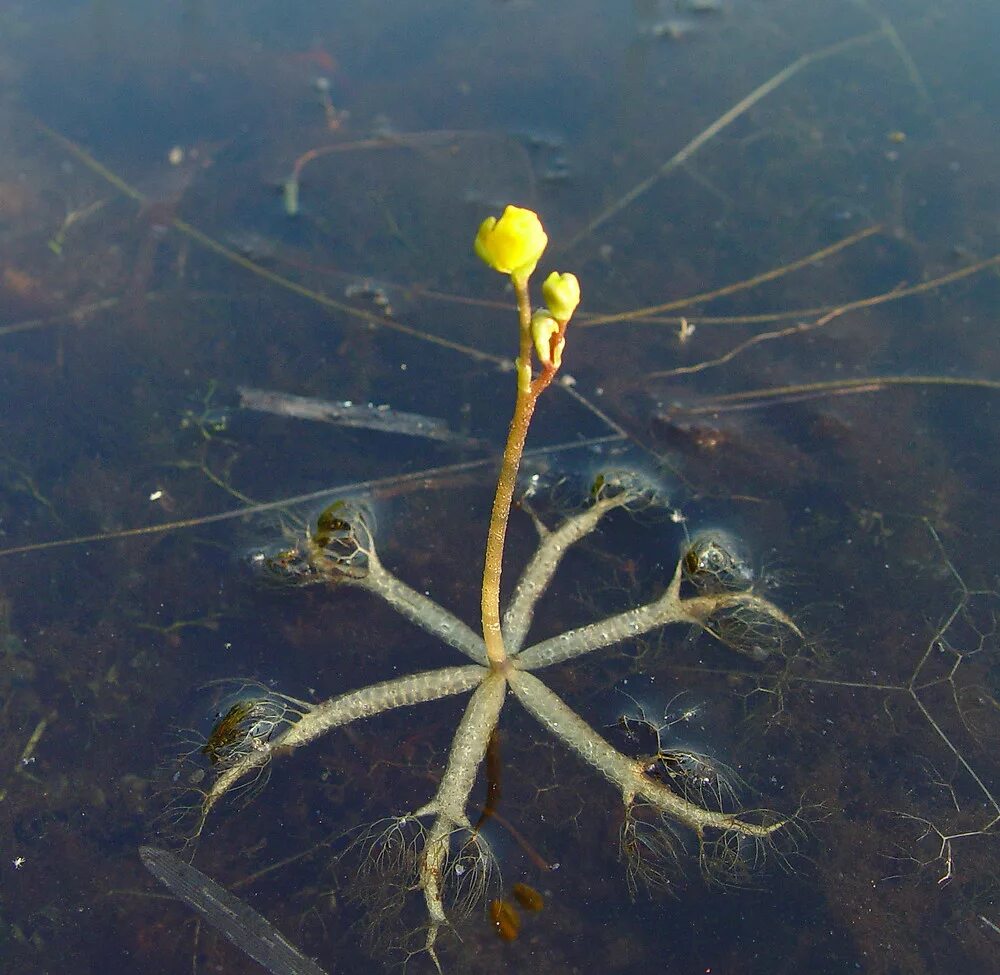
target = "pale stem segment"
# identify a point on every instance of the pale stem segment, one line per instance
(668, 608)
(624, 772)
(539, 571)
(364, 703)
(448, 805)
(421, 609)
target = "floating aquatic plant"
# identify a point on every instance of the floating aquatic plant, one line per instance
(674, 791)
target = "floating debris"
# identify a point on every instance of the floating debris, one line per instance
(528, 897)
(558, 170)
(366, 416)
(505, 920)
(372, 290)
(547, 152)
(703, 7)
(539, 139)
(504, 915)
(290, 196)
(673, 29)
(255, 246)
(240, 923)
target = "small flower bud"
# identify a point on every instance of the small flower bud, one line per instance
(544, 328)
(562, 294)
(514, 243)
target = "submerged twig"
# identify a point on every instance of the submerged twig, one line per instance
(779, 395)
(346, 414)
(27, 755)
(736, 286)
(422, 479)
(210, 243)
(724, 120)
(851, 306)
(239, 922)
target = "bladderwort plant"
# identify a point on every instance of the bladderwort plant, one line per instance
(664, 795)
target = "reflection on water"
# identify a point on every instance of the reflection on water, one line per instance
(811, 416)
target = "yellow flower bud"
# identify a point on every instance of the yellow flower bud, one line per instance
(543, 328)
(562, 294)
(514, 243)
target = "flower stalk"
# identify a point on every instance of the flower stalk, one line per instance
(513, 245)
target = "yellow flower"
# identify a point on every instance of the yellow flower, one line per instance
(514, 243)
(562, 294)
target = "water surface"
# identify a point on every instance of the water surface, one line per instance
(144, 152)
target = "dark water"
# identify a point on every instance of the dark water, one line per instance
(127, 324)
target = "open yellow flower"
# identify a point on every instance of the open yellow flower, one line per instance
(514, 243)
